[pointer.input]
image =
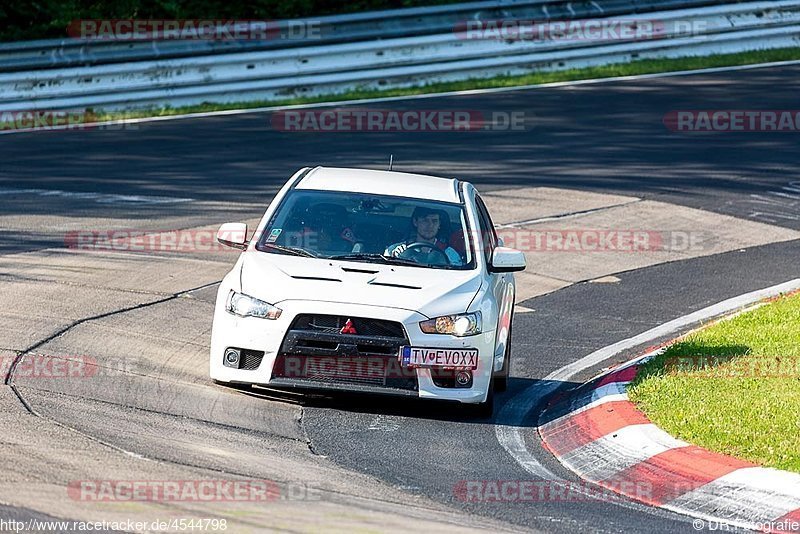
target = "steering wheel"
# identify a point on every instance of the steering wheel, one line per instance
(417, 246)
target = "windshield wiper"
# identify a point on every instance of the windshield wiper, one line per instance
(295, 251)
(391, 260)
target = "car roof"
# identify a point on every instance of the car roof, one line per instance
(393, 183)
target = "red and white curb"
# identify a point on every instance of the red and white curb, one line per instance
(600, 435)
(517, 412)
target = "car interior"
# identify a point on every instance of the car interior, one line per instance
(353, 224)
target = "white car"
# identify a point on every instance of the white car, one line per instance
(369, 281)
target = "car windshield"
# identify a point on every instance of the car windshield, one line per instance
(369, 228)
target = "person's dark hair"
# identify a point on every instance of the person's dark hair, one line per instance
(421, 211)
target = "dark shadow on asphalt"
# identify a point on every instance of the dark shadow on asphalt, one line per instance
(411, 407)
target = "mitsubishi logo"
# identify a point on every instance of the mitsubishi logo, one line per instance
(348, 328)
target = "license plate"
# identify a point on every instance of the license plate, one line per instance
(433, 357)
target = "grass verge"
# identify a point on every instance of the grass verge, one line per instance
(733, 387)
(647, 66)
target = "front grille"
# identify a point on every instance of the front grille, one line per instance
(333, 324)
(316, 352)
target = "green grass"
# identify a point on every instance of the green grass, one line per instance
(733, 387)
(649, 66)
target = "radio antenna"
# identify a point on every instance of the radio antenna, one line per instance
(391, 160)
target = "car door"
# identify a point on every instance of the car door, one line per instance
(500, 285)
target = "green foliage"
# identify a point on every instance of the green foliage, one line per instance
(44, 19)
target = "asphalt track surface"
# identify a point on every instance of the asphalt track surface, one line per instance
(606, 137)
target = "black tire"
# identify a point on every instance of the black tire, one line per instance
(501, 377)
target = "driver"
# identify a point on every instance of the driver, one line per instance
(426, 224)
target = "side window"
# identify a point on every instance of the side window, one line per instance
(488, 234)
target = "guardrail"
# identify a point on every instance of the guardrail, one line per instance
(397, 62)
(387, 24)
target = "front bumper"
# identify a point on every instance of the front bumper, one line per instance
(268, 336)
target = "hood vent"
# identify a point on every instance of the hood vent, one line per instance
(390, 284)
(364, 271)
(319, 278)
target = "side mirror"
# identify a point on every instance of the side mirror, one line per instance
(507, 260)
(233, 235)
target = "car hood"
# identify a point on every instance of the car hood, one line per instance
(432, 292)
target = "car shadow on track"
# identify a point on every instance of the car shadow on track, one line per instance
(525, 415)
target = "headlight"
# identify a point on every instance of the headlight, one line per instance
(245, 306)
(465, 324)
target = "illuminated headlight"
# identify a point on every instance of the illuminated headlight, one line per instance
(245, 306)
(465, 324)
